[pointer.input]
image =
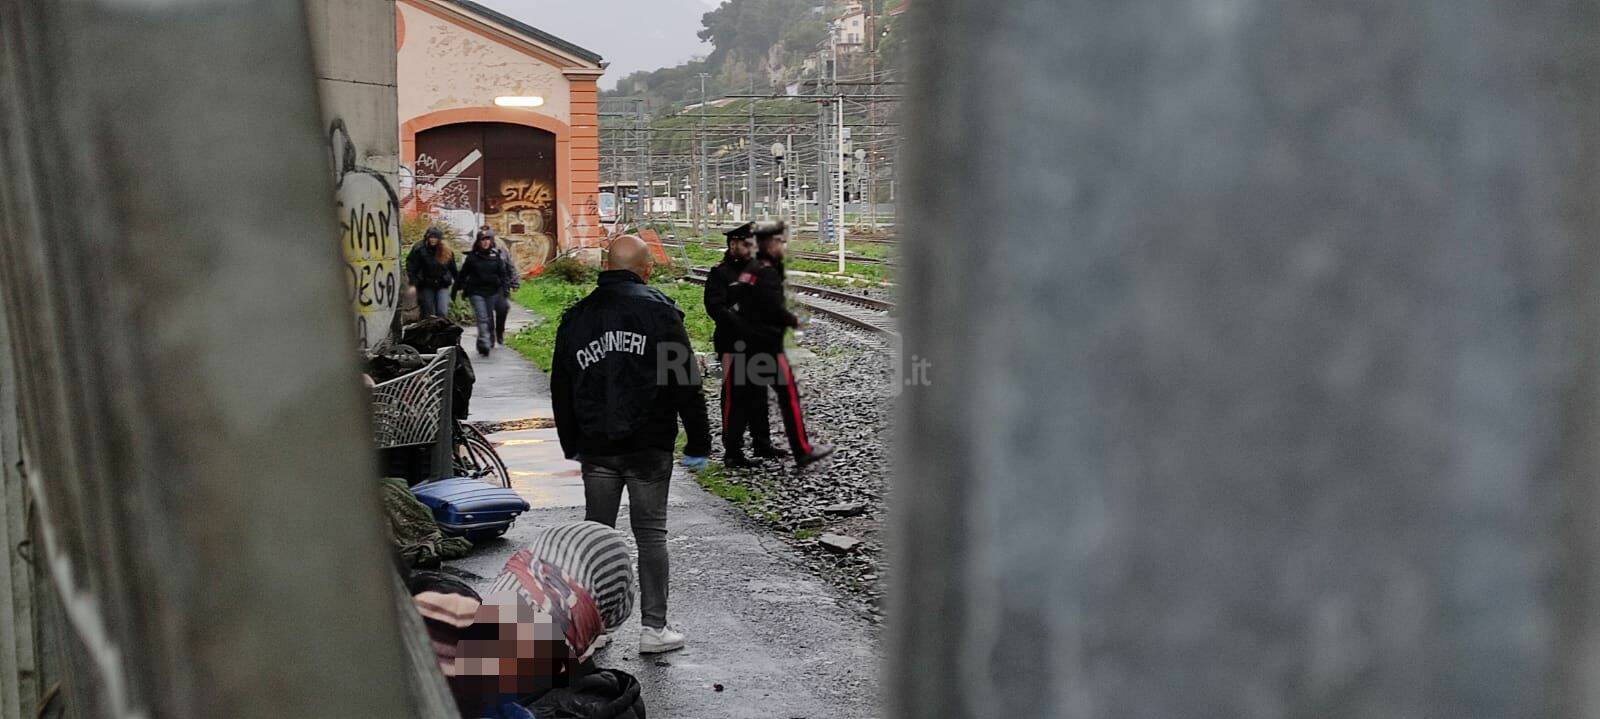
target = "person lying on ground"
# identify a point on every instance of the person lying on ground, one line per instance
(537, 626)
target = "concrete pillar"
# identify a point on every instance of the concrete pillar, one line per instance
(196, 438)
(353, 44)
(1262, 359)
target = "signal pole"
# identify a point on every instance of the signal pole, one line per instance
(700, 182)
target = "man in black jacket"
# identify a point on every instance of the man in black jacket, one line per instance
(766, 318)
(744, 403)
(622, 376)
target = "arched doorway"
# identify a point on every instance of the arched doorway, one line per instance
(505, 172)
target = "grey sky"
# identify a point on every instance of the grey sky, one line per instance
(629, 34)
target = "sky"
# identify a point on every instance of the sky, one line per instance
(629, 34)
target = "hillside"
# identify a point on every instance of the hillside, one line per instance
(758, 44)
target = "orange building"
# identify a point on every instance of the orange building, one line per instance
(498, 126)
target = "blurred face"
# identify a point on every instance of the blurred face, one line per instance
(485, 242)
(433, 241)
(511, 650)
(742, 249)
(774, 246)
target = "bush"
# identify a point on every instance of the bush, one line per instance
(667, 273)
(569, 269)
(461, 311)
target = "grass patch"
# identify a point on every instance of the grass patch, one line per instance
(547, 297)
(875, 250)
(707, 255)
(804, 534)
(875, 273)
(715, 480)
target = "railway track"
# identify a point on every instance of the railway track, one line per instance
(801, 254)
(834, 257)
(852, 309)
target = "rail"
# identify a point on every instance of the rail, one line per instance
(856, 310)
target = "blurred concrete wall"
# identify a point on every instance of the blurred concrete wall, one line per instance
(1262, 344)
(181, 393)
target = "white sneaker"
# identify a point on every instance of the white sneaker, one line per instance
(655, 641)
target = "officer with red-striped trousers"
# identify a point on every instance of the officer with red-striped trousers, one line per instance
(758, 293)
(744, 405)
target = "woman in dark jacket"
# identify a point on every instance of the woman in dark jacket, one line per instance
(431, 267)
(482, 280)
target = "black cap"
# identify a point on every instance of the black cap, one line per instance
(741, 232)
(768, 228)
(433, 232)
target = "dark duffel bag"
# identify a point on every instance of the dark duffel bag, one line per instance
(471, 508)
(606, 694)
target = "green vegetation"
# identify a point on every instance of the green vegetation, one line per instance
(708, 254)
(804, 534)
(550, 294)
(875, 250)
(546, 297)
(742, 34)
(675, 133)
(570, 270)
(875, 273)
(715, 479)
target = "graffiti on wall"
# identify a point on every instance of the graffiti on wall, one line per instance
(369, 226)
(524, 214)
(442, 186)
(514, 166)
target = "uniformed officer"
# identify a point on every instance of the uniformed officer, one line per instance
(744, 404)
(758, 293)
(622, 377)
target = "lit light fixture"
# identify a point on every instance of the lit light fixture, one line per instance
(519, 101)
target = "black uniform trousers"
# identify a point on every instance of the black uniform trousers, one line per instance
(761, 371)
(744, 406)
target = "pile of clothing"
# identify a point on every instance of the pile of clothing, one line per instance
(567, 589)
(412, 528)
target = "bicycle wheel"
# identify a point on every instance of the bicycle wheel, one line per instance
(477, 458)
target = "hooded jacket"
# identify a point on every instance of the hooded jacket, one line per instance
(426, 272)
(624, 373)
(482, 273)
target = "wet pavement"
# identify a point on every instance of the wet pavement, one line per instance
(774, 637)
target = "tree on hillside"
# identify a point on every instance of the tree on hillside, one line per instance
(744, 35)
(744, 30)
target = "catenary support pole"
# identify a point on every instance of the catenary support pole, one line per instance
(1252, 352)
(196, 438)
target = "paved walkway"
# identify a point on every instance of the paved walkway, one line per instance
(773, 636)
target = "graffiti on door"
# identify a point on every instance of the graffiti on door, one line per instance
(514, 166)
(525, 216)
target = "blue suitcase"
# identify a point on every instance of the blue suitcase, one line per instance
(471, 508)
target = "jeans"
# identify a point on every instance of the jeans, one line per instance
(502, 310)
(646, 475)
(483, 313)
(435, 301)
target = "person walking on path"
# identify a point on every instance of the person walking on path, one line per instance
(431, 267)
(765, 312)
(502, 308)
(483, 276)
(744, 403)
(622, 376)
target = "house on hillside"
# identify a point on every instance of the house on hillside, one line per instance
(498, 126)
(850, 28)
